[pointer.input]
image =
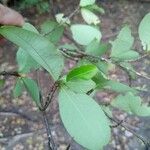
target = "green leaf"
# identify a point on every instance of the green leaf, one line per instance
(132, 104)
(17, 91)
(103, 83)
(33, 89)
(84, 34)
(86, 2)
(121, 47)
(103, 67)
(83, 72)
(100, 80)
(96, 48)
(80, 86)
(89, 17)
(95, 8)
(24, 60)
(144, 32)
(84, 119)
(42, 50)
(30, 27)
(119, 87)
(52, 34)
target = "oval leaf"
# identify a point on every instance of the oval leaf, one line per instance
(132, 104)
(53, 35)
(89, 17)
(25, 61)
(41, 49)
(121, 47)
(96, 48)
(17, 91)
(81, 86)
(84, 34)
(84, 119)
(144, 32)
(33, 89)
(86, 2)
(82, 72)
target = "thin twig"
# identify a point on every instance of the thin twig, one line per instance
(14, 112)
(10, 73)
(50, 96)
(67, 18)
(68, 147)
(137, 73)
(81, 54)
(51, 144)
(51, 2)
(140, 58)
(117, 124)
(146, 143)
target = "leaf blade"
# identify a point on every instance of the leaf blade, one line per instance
(84, 34)
(83, 72)
(42, 50)
(80, 113)
(144, 32)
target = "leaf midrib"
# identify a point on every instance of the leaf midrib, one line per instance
(16, 35)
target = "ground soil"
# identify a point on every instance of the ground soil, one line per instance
(21, 124)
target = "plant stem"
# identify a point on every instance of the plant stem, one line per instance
(51, 144)
(122, 124)
(12, 73)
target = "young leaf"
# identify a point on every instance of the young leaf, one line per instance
(80, 86)
(89, 17)
(17, 91)
(96, 48)
(84, 3)
(24, 60)
(52, 34)
(33, 89)
(42, 50)
(84, 119)
(83, 72)
(132, 104)
(144, 32)
(84, 34)
(121, 47)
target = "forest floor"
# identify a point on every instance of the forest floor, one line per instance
(21, 124)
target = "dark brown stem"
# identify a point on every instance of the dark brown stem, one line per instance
(12, 73)
(50, 96)
(51, 144)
